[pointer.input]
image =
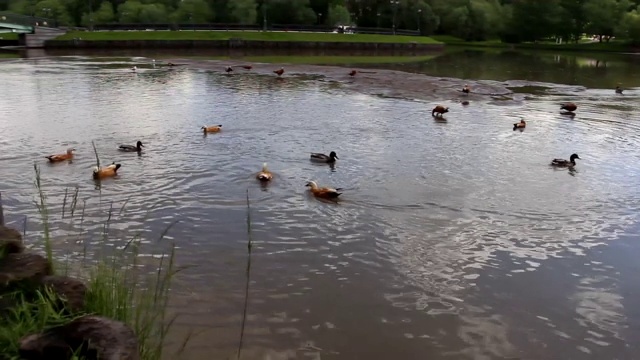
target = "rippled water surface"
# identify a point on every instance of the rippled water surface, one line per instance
(453, 239)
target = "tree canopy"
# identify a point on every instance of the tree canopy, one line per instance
(509, 20)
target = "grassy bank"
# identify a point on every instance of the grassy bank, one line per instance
(118, 287)
(243, 35)
(613, 46)
(8, 36)
(9, 55)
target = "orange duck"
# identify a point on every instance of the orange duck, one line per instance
(247, 67)
(353, 73)
(520, 125)
(264, 174)
(571, 107)
(279, 72)
(211, 129)
(61, 157)
(323, 192)
(107, 171)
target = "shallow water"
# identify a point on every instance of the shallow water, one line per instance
(453, 239)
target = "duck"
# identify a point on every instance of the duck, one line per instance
(618, 90)
(565, 163)
(134, 68)
(520, 125)
(107, 171)
(211, 129)
(466, 89)
(264, 174)
(171, 64)
(439, 109)
(228, 69)
(570, 107)
(130, 148)
(61, 157)
(247, 67)
(323, 192)
(318, 157)
(353, 73)
(279, 72)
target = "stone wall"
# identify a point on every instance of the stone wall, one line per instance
(237, 44)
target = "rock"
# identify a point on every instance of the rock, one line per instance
(19, 267)
(10, 241)
(70, 289)
(98, 338)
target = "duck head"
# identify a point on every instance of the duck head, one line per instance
(312, 184)
(264, 166)
(333, 155)
(139, 144)
(70, 150)
(574, 157)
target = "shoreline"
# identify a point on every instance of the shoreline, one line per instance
(241, 44)
(376, 82)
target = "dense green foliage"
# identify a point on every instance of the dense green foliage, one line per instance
(472, 20)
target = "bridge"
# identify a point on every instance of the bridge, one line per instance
(22, 24)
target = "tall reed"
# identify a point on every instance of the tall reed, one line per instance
(248, 277)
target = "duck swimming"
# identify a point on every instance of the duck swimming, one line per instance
(466, 89)
(565, 163)
(131, 148)
(618, 90)
(61, 157)
(570, 107)
(318, 157)
(211, 129)
(520, 125)
(107, 171)
(264, 174)
(134, 68)
(323, 192)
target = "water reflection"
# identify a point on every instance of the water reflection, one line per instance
(453, 239)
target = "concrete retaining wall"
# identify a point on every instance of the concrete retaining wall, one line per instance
(235, 44)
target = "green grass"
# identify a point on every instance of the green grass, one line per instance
(321, 60)
(244, 35)
(9, 55)
(613, 46)
(116, 287)
(8, 36)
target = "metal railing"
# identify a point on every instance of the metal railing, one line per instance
(26, 20)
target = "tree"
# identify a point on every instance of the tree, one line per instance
(129, 12)
(602, 15)
(153, 14)
(53, 9)
(338, 15)
(192, 11)
(429, 21)
(630, 26)
(531, 20)
(244, 11)
(103, 15)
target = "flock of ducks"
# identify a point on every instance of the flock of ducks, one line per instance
(265, 176)
(569, 109)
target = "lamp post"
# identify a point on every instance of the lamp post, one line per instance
(90, 16)
(264, 15)
(319, 17)
(378, 21)
(419, 20)
(394, 3)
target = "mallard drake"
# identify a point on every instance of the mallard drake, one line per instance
(107, 171)
(61, 157)
(264, 174)
(570, 107)
(520, 125)
(323, 192)
(211, 129)
(130, 148)
(466, 89)
(439, 110)
(618, 90)
(318, 157)
(565, 163)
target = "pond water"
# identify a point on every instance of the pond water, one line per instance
(452, 240)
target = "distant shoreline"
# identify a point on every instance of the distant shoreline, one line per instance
(240, 40)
